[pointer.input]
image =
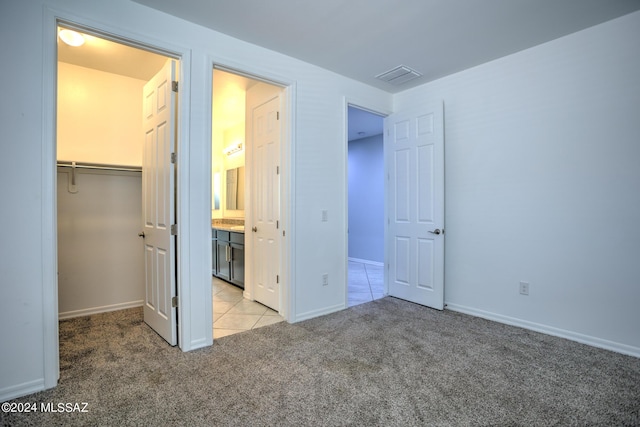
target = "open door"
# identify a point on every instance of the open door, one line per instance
(265, 203)
(414, 147)
(158, 207)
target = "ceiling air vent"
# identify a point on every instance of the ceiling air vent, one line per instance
(399, 75)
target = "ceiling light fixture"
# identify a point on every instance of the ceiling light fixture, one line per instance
(72, 38)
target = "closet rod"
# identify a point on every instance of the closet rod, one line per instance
(101, 166)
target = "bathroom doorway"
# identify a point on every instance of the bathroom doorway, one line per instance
(247, 138)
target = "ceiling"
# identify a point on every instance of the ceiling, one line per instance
(363, 38)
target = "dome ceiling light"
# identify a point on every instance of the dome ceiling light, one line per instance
(70, 37)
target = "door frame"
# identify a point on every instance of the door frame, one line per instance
(383, 112)
(52, 18)
(287, 174)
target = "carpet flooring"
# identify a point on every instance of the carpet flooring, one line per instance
(382, 363)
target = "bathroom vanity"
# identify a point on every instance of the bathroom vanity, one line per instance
(227, 246)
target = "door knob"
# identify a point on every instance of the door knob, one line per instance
(141, 234)
(436, 231)
(254, 229)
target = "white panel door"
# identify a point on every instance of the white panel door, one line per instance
(158, 209)
(414, 147)
(265, 203)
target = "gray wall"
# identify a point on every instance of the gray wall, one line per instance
(366, 199)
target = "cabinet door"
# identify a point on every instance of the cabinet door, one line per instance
(223, 270)
(237, 264)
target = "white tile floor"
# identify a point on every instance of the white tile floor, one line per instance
(232, 313)
(366, 283)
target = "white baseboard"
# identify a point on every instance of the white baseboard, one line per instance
(23, 389)
(200, 343)
(549, 330)
(96, 310)
(366, 261)
(317, 313)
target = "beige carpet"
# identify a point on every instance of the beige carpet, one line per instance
(387, 363)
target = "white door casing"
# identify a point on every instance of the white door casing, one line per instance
(265, 202)
(158, 205)
(414, 147)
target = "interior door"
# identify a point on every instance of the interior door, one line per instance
(414, 147)
(158, 207)
(266, 202)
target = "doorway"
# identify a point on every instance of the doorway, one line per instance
(365, 206)
(246, 194)
(99, 152)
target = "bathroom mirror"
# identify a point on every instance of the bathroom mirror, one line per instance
(235, 189)
(216, 191)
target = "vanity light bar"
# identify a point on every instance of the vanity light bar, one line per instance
(232, 149)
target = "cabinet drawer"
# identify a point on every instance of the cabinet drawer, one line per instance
(223, 235)
(237, 238)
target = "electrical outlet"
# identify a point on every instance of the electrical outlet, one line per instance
(325, 279)
(524, 288)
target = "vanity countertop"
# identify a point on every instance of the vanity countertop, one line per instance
(238, 228)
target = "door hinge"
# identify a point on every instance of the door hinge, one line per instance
(174, 86)
(277, 278)
(174, 301)
(283, 233)
(174, 157)
(277, 225)
(277, 115)
(277, 170)
(174, 229)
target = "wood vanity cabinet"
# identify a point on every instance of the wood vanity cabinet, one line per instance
(228, 256)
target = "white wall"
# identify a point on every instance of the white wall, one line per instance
(542, 160)
(99, 116)
(27, 267)
(100, 256)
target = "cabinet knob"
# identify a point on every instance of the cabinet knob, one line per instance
(254, 229)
